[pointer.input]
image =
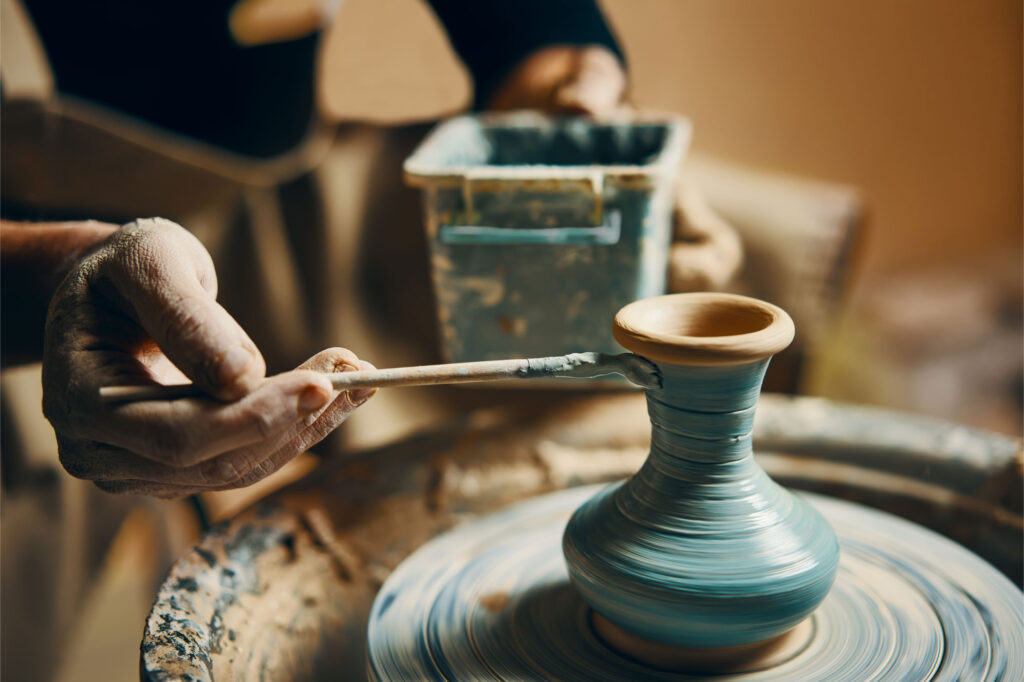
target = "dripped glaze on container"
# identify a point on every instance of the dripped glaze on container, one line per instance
(701, 548)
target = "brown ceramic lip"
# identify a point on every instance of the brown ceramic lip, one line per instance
(703, 329)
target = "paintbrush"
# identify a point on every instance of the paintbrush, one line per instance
(638, 370)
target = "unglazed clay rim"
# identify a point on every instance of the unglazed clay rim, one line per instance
(635, 333)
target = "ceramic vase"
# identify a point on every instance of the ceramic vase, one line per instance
(701, 548)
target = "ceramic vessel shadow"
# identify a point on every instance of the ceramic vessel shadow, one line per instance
(701, 548)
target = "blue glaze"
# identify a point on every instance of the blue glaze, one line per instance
(701, 548)
(907, 604)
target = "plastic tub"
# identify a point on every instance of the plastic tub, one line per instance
(541, 228)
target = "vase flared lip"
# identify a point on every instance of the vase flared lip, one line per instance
(703, 329)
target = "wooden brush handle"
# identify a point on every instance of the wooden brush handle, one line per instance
(635, 368)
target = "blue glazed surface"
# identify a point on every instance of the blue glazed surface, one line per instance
(491, 600)
(701, 547)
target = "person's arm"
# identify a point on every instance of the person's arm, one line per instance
(137, 305)
(553, 55)
(34, 258)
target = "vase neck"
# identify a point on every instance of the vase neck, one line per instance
(705, 413)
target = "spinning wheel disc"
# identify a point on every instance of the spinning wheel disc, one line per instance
(492, 600)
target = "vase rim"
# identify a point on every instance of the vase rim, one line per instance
(705, 328)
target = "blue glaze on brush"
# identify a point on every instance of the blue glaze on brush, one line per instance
(701, 548)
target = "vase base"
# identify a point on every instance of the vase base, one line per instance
(726, 659)
(492, 599)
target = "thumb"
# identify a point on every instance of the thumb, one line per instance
(159, 269)
(706, 252)
(596, 88)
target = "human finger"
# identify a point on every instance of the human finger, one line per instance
(180, 483)
(330, 360)
(706, 252)
(334, 360)
(119, 470)
(337, 359)
(162, 491)
(188, 431)
(588, 96)
(94, 461)
(240, 466)
(102, 463)
(234, 469)
(164, 276)
(597, 86)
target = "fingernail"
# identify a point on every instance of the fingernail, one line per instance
(233, 364)
(313, 399)
(358, 396)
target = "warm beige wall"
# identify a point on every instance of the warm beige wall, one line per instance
(389, 61)
(917, 102)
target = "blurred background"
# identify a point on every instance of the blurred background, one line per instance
(915, 105)
(869, 153)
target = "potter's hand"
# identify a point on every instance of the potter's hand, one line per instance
(706, 252)
(141, 309)
(565, 80)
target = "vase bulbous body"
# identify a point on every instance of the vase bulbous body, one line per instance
(701, 548)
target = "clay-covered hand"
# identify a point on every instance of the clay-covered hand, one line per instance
(141, 309)
(565, 80)
(706, 252)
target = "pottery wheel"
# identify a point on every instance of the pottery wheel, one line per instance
(492, 600)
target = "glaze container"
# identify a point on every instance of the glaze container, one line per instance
(540, 228)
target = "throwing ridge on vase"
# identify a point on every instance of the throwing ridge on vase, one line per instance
(701, 548)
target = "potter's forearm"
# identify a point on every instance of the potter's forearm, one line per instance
(34, 258)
